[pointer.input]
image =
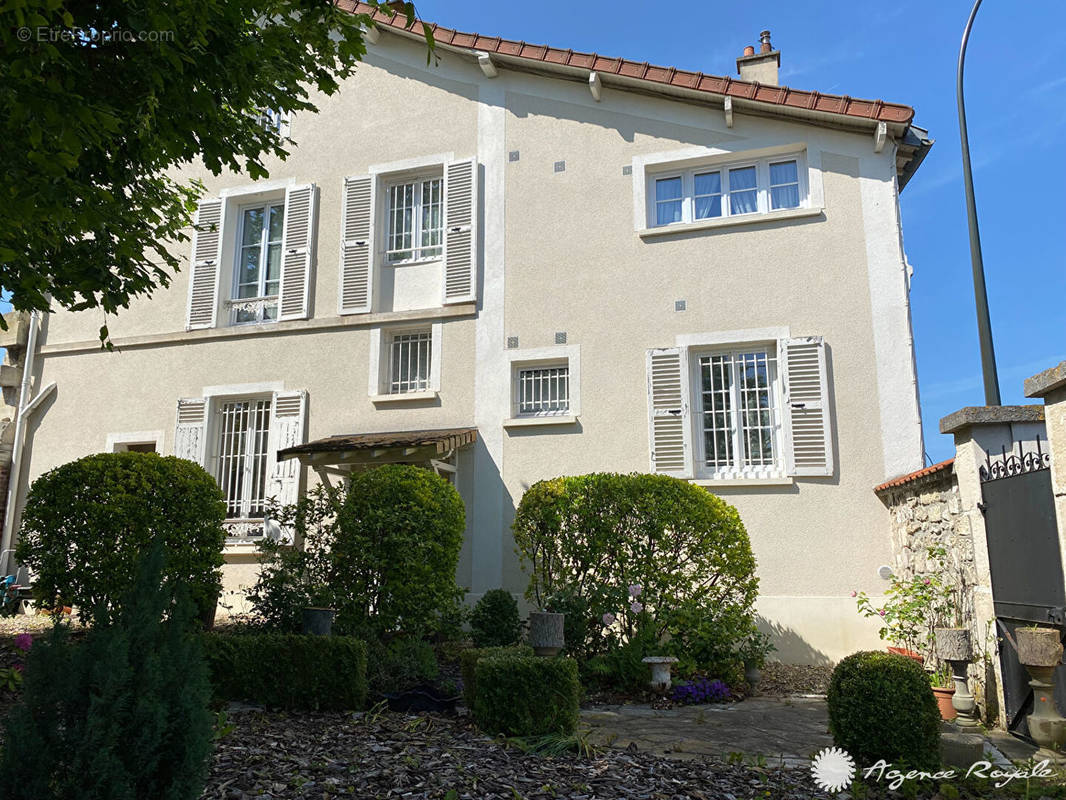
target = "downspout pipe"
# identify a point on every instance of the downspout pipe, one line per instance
(20, 431)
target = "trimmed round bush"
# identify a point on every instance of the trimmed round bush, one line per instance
(494, 621)
(526, 695)
(881, 706)
(87, 523)
(637, 559)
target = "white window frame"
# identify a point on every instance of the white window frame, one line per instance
(568, 356)
(261, 300)
(274, 121)
(737, 470)
(380, 363)
(119, 442)
(416, 249)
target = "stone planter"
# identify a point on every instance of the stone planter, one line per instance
(1039, 647)
(546, 633)
(752, 674)
(954, 644)
(944, 697)
(318, 621)
(660, 671)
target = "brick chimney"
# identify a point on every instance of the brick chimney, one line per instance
(760, 67)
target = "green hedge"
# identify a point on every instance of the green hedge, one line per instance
(313, 673)
(882, 706)
(527, 696)
(468, 666)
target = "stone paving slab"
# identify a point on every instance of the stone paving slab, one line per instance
(783, 731)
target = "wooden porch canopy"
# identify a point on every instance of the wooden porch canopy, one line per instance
(369, 449)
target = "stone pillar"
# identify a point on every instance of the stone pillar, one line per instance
(980, 431)
(1050, 386)
(13, 340)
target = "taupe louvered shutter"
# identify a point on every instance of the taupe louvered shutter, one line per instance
(297, 249)
(190, 434)
(288, 421)
(808, 433)
(204, 265)
(668, 412)
(357, 246)
(460, 231)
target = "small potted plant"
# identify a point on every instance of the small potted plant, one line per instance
(944, 689)
(546, 632)
(753, 652)
(318, 615)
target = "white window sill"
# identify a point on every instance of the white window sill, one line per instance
(727, 222)
(779, 481)
(559, 419)
(404, 397)
(411, 262)
(241, 547)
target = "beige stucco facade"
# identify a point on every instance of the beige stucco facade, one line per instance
(558, 251)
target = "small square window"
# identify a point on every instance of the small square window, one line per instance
(409, 362)
(543, 391)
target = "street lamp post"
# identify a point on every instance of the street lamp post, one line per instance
(984, 325)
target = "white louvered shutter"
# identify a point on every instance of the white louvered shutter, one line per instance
(204, 264)
(190, 434)
(460, 231)
(297, 250)
(357, 246)
(808, 433)
(668, 412)
(288, 420)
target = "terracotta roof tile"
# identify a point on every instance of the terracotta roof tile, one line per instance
(666, 76)
(913, 476)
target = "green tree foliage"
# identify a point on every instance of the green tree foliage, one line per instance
(383, 554)
(882, 706)
(639, 559)
(87, 524)
(494, 621)
(101, 100)
(122, 715)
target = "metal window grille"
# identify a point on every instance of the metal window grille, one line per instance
(737, 406)
(243, 427)
(543, 391)
(415, 218)
(409, 359)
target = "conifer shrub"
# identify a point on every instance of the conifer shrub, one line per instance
(526, 695)
(494, 621)
(468, 666)
(881, 706)
(288, 671)
(122, 713)
(87, 524)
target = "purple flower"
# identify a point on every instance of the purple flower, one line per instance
(636, 606)
(927, 581)
(608, 618)
(635, 589)
(24, 642)
(700, 690)
(881, 612)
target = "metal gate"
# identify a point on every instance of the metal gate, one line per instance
(1026, 563)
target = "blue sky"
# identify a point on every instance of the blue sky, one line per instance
(903, 52)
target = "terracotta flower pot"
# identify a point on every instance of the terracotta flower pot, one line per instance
(903, 651)
(1039, 647)
(943, 701)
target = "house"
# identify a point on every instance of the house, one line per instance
(521, 262)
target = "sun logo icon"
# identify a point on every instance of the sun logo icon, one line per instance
(833, 769)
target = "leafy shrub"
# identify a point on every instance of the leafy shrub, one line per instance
(700, 690)
(383, 554)
(402, 664)
(526, 695)
(623, 551)
(312, 673)
(468, 666)
(494, 621)
(87, 524)
(881, 706)
(120, 714)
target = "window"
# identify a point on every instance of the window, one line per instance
(243, 428)
(737, 408)
(543, 391)
(729, 191)
(257, 274)
(414, 218)
(409, 362)
(271, 120)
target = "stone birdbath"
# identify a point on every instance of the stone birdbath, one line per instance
(1040, 652)
(660, 670)
(955, 646)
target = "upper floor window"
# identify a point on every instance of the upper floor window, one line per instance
(409, 362)
(737, 407)
(414, 220)
(704, 193)
(273, 121)
(241, 463)
(257, 274)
